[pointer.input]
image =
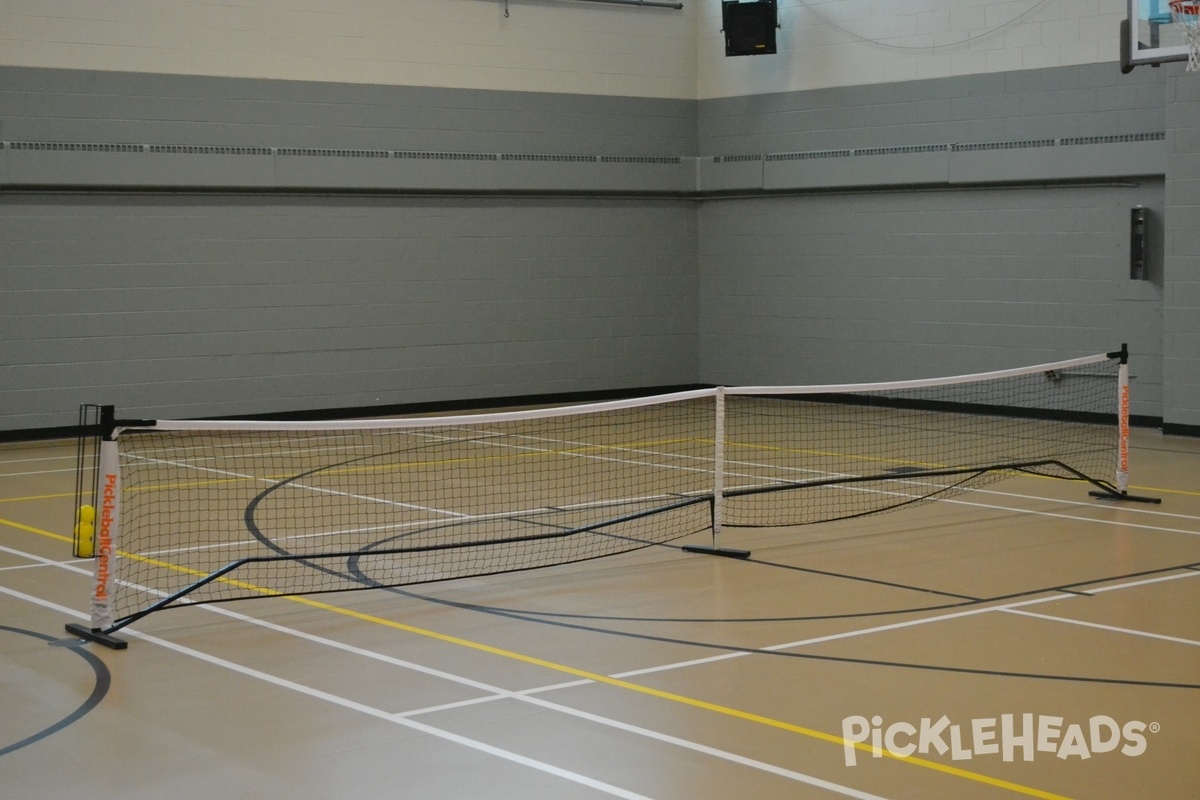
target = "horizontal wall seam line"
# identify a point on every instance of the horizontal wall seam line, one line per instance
(179, 149)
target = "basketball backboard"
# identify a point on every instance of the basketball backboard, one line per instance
(1149, 37)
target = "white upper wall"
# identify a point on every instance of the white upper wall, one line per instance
(541, 46)
(557, 45)
(824, 43)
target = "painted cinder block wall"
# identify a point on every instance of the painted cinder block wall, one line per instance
(1014, 248)
(311, 205)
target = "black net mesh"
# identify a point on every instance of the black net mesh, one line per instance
(292, 512)
(227, 511)
(853, 454)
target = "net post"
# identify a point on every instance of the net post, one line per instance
(718, 495)
(108, 491)
(718, 503)
(1121, 480)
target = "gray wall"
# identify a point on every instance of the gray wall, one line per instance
(886, 286)
(86, 106)
(197, 246)
(938, 227)
(181, 306)
(1181, 312)
(185, 246)
(1091, 100)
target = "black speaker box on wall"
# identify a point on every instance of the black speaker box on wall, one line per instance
(749, 27)
(1137, 244)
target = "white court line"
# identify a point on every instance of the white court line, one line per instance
(845, 635)
(41, 561)
(226, 446)
(526, 695)
(353, 705)
(494, 438)
(1154, 511)
(815, 640)
(795, 644)
(497, 693)
(23, 566)
(583, 506)
(28, 473)
(1144, 582)
(523, 514)
(1135, 508)
(1112, 628)
(1011, 607)
(1072, 517)
(292, 485)
(897, 479)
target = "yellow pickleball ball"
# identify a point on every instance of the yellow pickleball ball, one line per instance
(85, 539)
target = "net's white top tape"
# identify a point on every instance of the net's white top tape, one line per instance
(423, 422)
(591, 408)
(859, 388)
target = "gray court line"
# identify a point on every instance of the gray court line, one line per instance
(906, 624)
(403, 718)
(1011, 607)
(525, 695)
(354, 705)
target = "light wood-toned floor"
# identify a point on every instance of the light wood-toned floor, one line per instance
(654, 674)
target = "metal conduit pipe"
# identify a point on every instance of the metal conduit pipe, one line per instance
(646, 3)
(642, 3)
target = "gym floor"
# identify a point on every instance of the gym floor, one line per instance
(1021, 640)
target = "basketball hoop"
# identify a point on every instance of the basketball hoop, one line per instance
(1186, 15)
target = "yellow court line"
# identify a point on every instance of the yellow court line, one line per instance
(402, 465)
(37, 497)
(595, 677)
(678, 698)
(1159, 490)
(1155, 489)
(165, 487)
(832, 454)
(39, 531)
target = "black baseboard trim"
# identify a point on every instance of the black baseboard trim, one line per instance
(39, 434)
(491, 403)
(1178, 429)
(397, 409)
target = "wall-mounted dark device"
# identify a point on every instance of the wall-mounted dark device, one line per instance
(749, 27)
(1137, 244)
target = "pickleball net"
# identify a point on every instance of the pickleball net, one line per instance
(200, 511)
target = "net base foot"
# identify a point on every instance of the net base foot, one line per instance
(97, 636)
(725, 552)
(1125, 497)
